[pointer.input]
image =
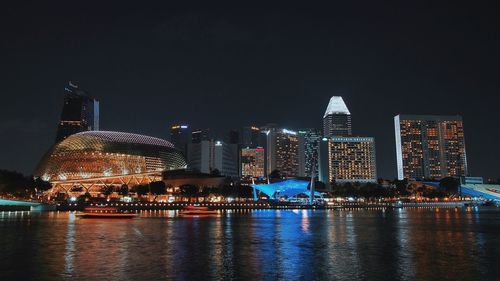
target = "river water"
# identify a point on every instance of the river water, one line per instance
(402, 244)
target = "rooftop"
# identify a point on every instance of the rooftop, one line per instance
(336, 106)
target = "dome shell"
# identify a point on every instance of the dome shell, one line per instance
(97, 154)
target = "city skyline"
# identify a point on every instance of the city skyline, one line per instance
(224, 74)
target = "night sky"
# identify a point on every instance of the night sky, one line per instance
(152, 65)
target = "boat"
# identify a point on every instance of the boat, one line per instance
(197, 210)
(106, 212)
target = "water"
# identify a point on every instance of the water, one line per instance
(409, 244)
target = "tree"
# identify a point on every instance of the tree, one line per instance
(42, 185)
(107, 190)
(123, 190)
(141, 189)
(275, 174)
(189, 191)
(158, 187)
(449, 184)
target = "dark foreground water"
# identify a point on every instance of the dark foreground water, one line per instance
(411, 244)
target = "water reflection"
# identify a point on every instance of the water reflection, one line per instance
(413, 244)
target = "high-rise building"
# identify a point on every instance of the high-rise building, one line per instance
(430, 146)
(180, 136)
(308, 151)
(234, 137)
(337, 119)
(252, 162)
(351, 159)
(200, 135)
(80, 112)
(249, 136)
(207, 156)
(282, 151)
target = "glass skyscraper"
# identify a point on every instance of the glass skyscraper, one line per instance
(180, 136)
(308, 151)
(80, 113)
(430, 146)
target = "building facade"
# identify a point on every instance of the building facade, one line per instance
(253, 162)
(337, 119)
(180, 136)
(351, 159)
(91, 160)
(200, 135)
(430, 146)
(308, 151)
(282, 151)
(249, 136)
(207, 156)
(80, 113)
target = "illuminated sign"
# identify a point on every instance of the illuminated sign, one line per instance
(290, 132)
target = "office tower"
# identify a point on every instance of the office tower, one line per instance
(80, 112)
(200, 135)
(249, 136)
(207, 156)
(351, 159)
(430, 146)
(234, 137)
(282, 151)
(337, 119)
(308, 151)
(252, 162)
(180, 136)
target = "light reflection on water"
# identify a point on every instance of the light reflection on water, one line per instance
(412, 244)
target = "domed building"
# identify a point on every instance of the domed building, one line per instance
(90, 160)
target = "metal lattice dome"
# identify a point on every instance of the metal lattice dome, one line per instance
(98, 154)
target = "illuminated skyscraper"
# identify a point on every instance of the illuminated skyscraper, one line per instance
(337, 119)
(430, 146)
(200, 135)
(282, 151)
(252, 162)
(352, 159)
(308, 151)
(180, 136)
(80, 113)
(249, 136)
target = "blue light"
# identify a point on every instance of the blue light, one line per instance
(288, 188)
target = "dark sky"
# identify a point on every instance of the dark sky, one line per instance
(153, 64)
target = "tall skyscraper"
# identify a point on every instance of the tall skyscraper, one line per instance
(200, 135)
(234, 137)
(351, 159)
(337, 119)
(207, 156)
(180, 136)
(80, 112)
(430, 146)
(308, 151)
(252, 162)
(249, 136)
(282, 151)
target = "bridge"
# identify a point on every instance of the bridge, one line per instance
(18, 205)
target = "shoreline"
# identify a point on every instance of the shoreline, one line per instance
(239, 206)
